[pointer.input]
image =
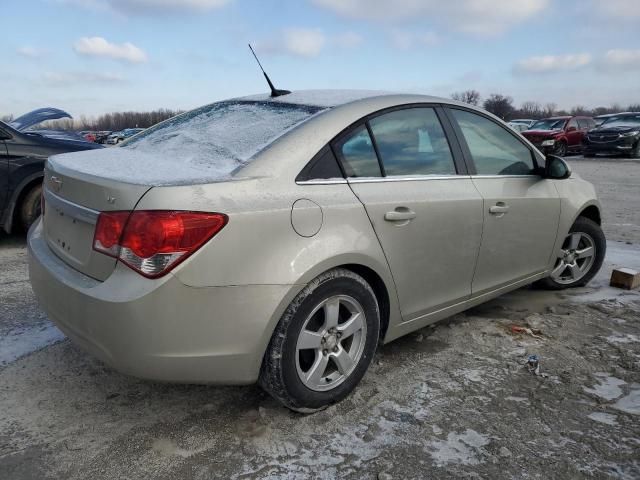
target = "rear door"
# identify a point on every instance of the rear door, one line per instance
(521, 209)
(428, 218)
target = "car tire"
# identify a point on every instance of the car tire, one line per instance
(30, 207)
(319, 350)
(576, 266)
(635, 152)
(560, 149)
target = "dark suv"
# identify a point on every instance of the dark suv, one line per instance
(22, 155)
(618, 134)
(559, 135)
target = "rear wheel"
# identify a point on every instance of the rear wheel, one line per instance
(580, 258)
(324, 342)
(30, 207)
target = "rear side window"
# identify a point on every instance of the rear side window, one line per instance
(412, 142)
(495, 151)
(358, 154)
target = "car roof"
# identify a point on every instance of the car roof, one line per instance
(334, 98)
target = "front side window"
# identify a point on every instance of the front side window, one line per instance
(412, 142)
(572, 123)
(495, 151)
(358, 155)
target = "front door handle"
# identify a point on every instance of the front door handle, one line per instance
(499, 208)
(400, 214)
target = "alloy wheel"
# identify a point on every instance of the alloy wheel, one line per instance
(576, 258)
(331, 343)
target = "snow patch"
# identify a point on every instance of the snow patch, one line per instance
(462, 448)
(605, 418)
(20, 342)
(623, 338)
(608, 388)
(630, 403)
(201, 146)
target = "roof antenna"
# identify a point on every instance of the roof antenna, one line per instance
(274, 91)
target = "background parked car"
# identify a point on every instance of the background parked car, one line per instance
(521, 124)
(102, 136)
(618, 134)
(122, 135)
(23, 152)
(559, 135)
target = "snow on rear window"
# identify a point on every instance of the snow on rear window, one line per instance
(221, 136)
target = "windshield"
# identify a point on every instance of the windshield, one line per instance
(229, 132)
(549, 124)
(626, 121)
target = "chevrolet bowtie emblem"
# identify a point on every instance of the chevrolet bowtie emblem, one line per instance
(56, 183)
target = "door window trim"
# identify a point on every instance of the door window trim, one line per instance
(471, 166)
(454, 147)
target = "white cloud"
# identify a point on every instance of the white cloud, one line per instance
(58, 79)
(306, 42)
(303, 42)
(404, 40)
(553, 63)
(148, 6)
(618, 9)
(478, 17)
(619, 59)
(30, 52)
(99, 47)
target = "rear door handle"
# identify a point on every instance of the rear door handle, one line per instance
(499, 208)
(400, 214)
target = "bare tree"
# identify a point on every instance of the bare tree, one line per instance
(580, 110)
(471, 97)
(531, 110)
(550, 109)
(499, 105)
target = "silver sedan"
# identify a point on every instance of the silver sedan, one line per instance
(281, 240)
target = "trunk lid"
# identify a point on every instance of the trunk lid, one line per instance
(38, 116)
(73, 201)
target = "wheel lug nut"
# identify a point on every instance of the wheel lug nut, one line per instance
(324, 352)
(335, 349)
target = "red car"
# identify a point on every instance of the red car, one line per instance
(559, 135)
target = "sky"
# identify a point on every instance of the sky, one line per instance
(90, 57)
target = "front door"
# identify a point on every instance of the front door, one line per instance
(521, 209)
(428, 218)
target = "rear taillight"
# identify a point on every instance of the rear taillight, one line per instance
(152, 242)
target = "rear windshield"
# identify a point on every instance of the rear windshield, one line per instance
(222, 135)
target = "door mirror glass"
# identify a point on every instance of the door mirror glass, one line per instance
(556, 168)
(571, 129)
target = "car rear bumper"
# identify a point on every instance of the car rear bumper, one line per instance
(159, 329)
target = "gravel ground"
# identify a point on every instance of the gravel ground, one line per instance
(450, 401)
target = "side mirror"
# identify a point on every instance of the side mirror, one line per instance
(556, 168)
(571, 129)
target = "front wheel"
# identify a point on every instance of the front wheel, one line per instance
(324, 342)
(635, 152)
(580, 258)
(560, 149)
